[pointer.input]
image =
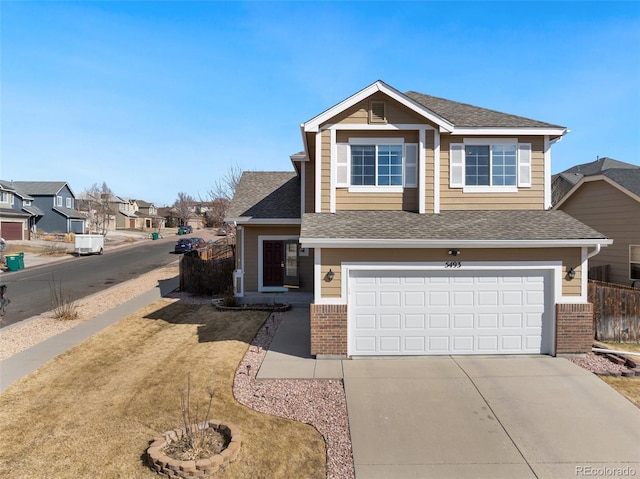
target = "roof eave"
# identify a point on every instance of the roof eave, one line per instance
(450, 243)
(550, 131)
(249, 220)
(587, 179)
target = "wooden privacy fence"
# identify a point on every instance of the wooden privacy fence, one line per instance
(616, 312)
(209, 270)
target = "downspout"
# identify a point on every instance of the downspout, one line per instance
(594, 252)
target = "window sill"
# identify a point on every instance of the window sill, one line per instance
(490, 189)
(376, 189)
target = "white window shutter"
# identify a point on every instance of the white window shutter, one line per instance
(524, 164)
(456, 165)
(411, 165)
(342, 165)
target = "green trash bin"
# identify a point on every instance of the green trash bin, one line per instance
(13, 262)
(20, 260)
(154, 236)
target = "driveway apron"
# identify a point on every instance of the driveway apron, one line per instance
(493, 417)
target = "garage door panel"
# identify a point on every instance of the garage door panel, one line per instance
(447, 312)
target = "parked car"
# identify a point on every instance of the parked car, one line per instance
(186, 245)
(185, 230)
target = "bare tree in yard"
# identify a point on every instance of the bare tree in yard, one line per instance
(184, 207)
(220, 196)
(95, 205)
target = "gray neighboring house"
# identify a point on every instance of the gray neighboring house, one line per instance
(605, 194)
(56, 202)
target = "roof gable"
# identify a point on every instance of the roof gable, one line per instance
(448, 115)
(42, 188)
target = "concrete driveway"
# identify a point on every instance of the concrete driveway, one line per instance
(487, 417)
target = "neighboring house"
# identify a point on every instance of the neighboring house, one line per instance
(148, 214)
(52, 206)
(98, 220)
(125, 212)
(18, 215)
(605, 194)
(421, 226)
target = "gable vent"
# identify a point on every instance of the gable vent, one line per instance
(378, 112)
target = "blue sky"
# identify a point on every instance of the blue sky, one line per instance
(156, 98)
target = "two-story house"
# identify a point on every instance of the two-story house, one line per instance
(55, 201)
(421, 226)
(125, 211)
(18, 214)
(148, 214)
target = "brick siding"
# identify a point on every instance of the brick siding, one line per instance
(329, 329)
(574, 328)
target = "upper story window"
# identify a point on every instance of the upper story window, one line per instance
(479, 165)
(69, 203)
(6, 197)
(385, 164)
(58, 200)
(26, 202)
(634, 262)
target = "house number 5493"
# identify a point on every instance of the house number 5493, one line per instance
(453, 264)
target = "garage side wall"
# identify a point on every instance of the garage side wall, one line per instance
(329, 329)
(574, 328)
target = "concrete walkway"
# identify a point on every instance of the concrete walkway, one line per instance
(23, 363)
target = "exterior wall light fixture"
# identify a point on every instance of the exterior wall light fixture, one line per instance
(329, 276)
(454, 252)
(571, 273)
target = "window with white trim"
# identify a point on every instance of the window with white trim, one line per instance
(634, 262)
(478, 165)
(58, 201)
(69, 204)
(382, 163)
(6, 197)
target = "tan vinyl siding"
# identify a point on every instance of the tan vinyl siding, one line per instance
(359, 113)
(250, 266)
(530, 198)
(429, 170)
(325, 180)
(333, 258)
(407, 200)
(612, 213)
(310, 187)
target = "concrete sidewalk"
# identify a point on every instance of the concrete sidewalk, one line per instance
(23, 363)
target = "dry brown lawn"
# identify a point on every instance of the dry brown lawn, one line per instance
(91, 412)
(628, 387)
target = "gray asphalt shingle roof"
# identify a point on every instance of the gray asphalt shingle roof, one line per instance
(503, 225)
(465, 115)
(626, 175)
(266, 194)
(69, 213)
(40, 187)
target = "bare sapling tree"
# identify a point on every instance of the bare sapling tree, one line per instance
(219, 197)
(96, 207)
(184, 207)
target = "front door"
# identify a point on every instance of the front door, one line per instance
(273, 266)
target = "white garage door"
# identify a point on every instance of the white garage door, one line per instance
(448, 312)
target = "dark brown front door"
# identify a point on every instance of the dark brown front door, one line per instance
(273, 263)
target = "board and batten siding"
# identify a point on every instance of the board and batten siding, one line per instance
(333, 259)
(529, 198)
(612, 213)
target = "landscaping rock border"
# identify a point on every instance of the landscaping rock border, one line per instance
(200, 469)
